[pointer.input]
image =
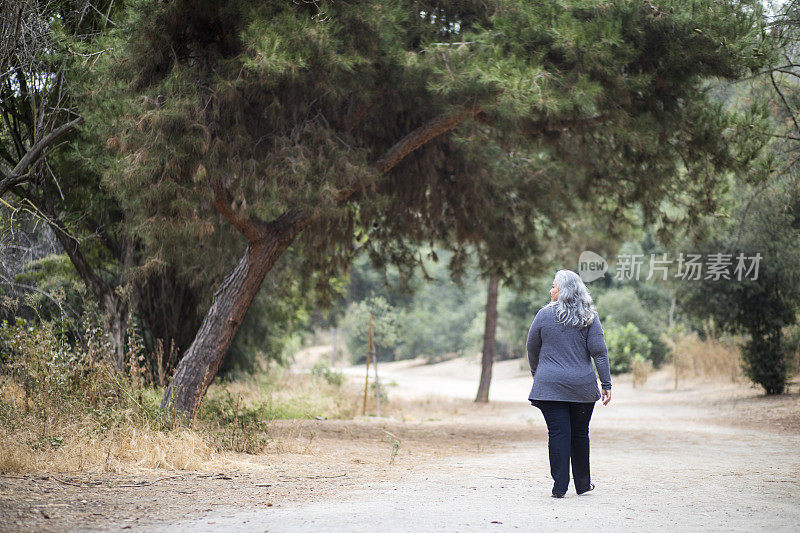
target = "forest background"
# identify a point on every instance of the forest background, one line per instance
(132, 179)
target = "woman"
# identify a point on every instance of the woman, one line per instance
(564, 338)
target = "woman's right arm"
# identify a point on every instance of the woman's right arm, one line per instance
(534, 343)
(596, 343)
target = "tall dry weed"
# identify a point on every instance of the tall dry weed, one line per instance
(711, 357)
(640, 368)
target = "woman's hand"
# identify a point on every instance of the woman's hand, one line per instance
(605, 396)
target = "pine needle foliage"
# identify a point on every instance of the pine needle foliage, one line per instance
(291, 104)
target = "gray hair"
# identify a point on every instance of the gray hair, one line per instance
(574, 305)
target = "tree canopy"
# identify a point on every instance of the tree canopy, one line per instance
(385, 125)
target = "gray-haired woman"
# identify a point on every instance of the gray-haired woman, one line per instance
(564, 338)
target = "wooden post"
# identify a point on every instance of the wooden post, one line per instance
(675, 361)
(375, 358)
(334, 339)
(366, 378)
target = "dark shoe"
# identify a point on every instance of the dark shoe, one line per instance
(591, 487)
(558, 494)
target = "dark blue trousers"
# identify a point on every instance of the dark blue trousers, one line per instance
(568, 440)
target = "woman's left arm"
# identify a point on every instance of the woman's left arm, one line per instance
(596, 343)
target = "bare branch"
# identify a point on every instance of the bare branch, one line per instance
(785, 103)
(791, 73)
(19, 174)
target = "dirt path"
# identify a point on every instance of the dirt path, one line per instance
(711, 457)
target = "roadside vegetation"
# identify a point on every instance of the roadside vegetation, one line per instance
(65, 408)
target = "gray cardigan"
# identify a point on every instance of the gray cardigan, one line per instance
(560, 359)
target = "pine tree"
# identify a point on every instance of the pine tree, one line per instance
(332, 125)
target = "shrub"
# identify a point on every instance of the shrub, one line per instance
(624, 305)
(322, 370)
(765, 361)
(624, 343)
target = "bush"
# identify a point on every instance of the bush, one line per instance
(624, 305)
(624, 343)
(58, 379)
(765, 362)
(324, 371)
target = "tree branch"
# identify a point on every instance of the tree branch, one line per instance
(19, 174)
(789, 72)
(431, 129)
(785, 103)
(102, 234)
(70, 246)
(290, 223)
(252, 227)
(410, 142)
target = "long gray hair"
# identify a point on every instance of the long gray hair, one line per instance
(574, 305)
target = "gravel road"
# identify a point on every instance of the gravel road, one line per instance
(711, 457)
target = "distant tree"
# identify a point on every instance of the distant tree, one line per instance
(623, 306)
(387, 123)
(784, 74)
(384, 327)
(760, 304)
(625, 344)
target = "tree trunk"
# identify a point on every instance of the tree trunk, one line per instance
(268, 241)
(488, 340)
(230, 304)
(115, 316)
(115, 304)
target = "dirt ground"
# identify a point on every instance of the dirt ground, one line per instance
(711, 456)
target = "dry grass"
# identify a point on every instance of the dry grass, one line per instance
(245, 417)
(125, 449)
(63, 409)
(237, 417)
(706, 358)
(640, 368)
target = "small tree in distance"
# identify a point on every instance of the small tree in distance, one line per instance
(761, 304)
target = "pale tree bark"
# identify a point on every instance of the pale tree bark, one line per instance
(114, 297)
(489, 333)
(267, 241)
